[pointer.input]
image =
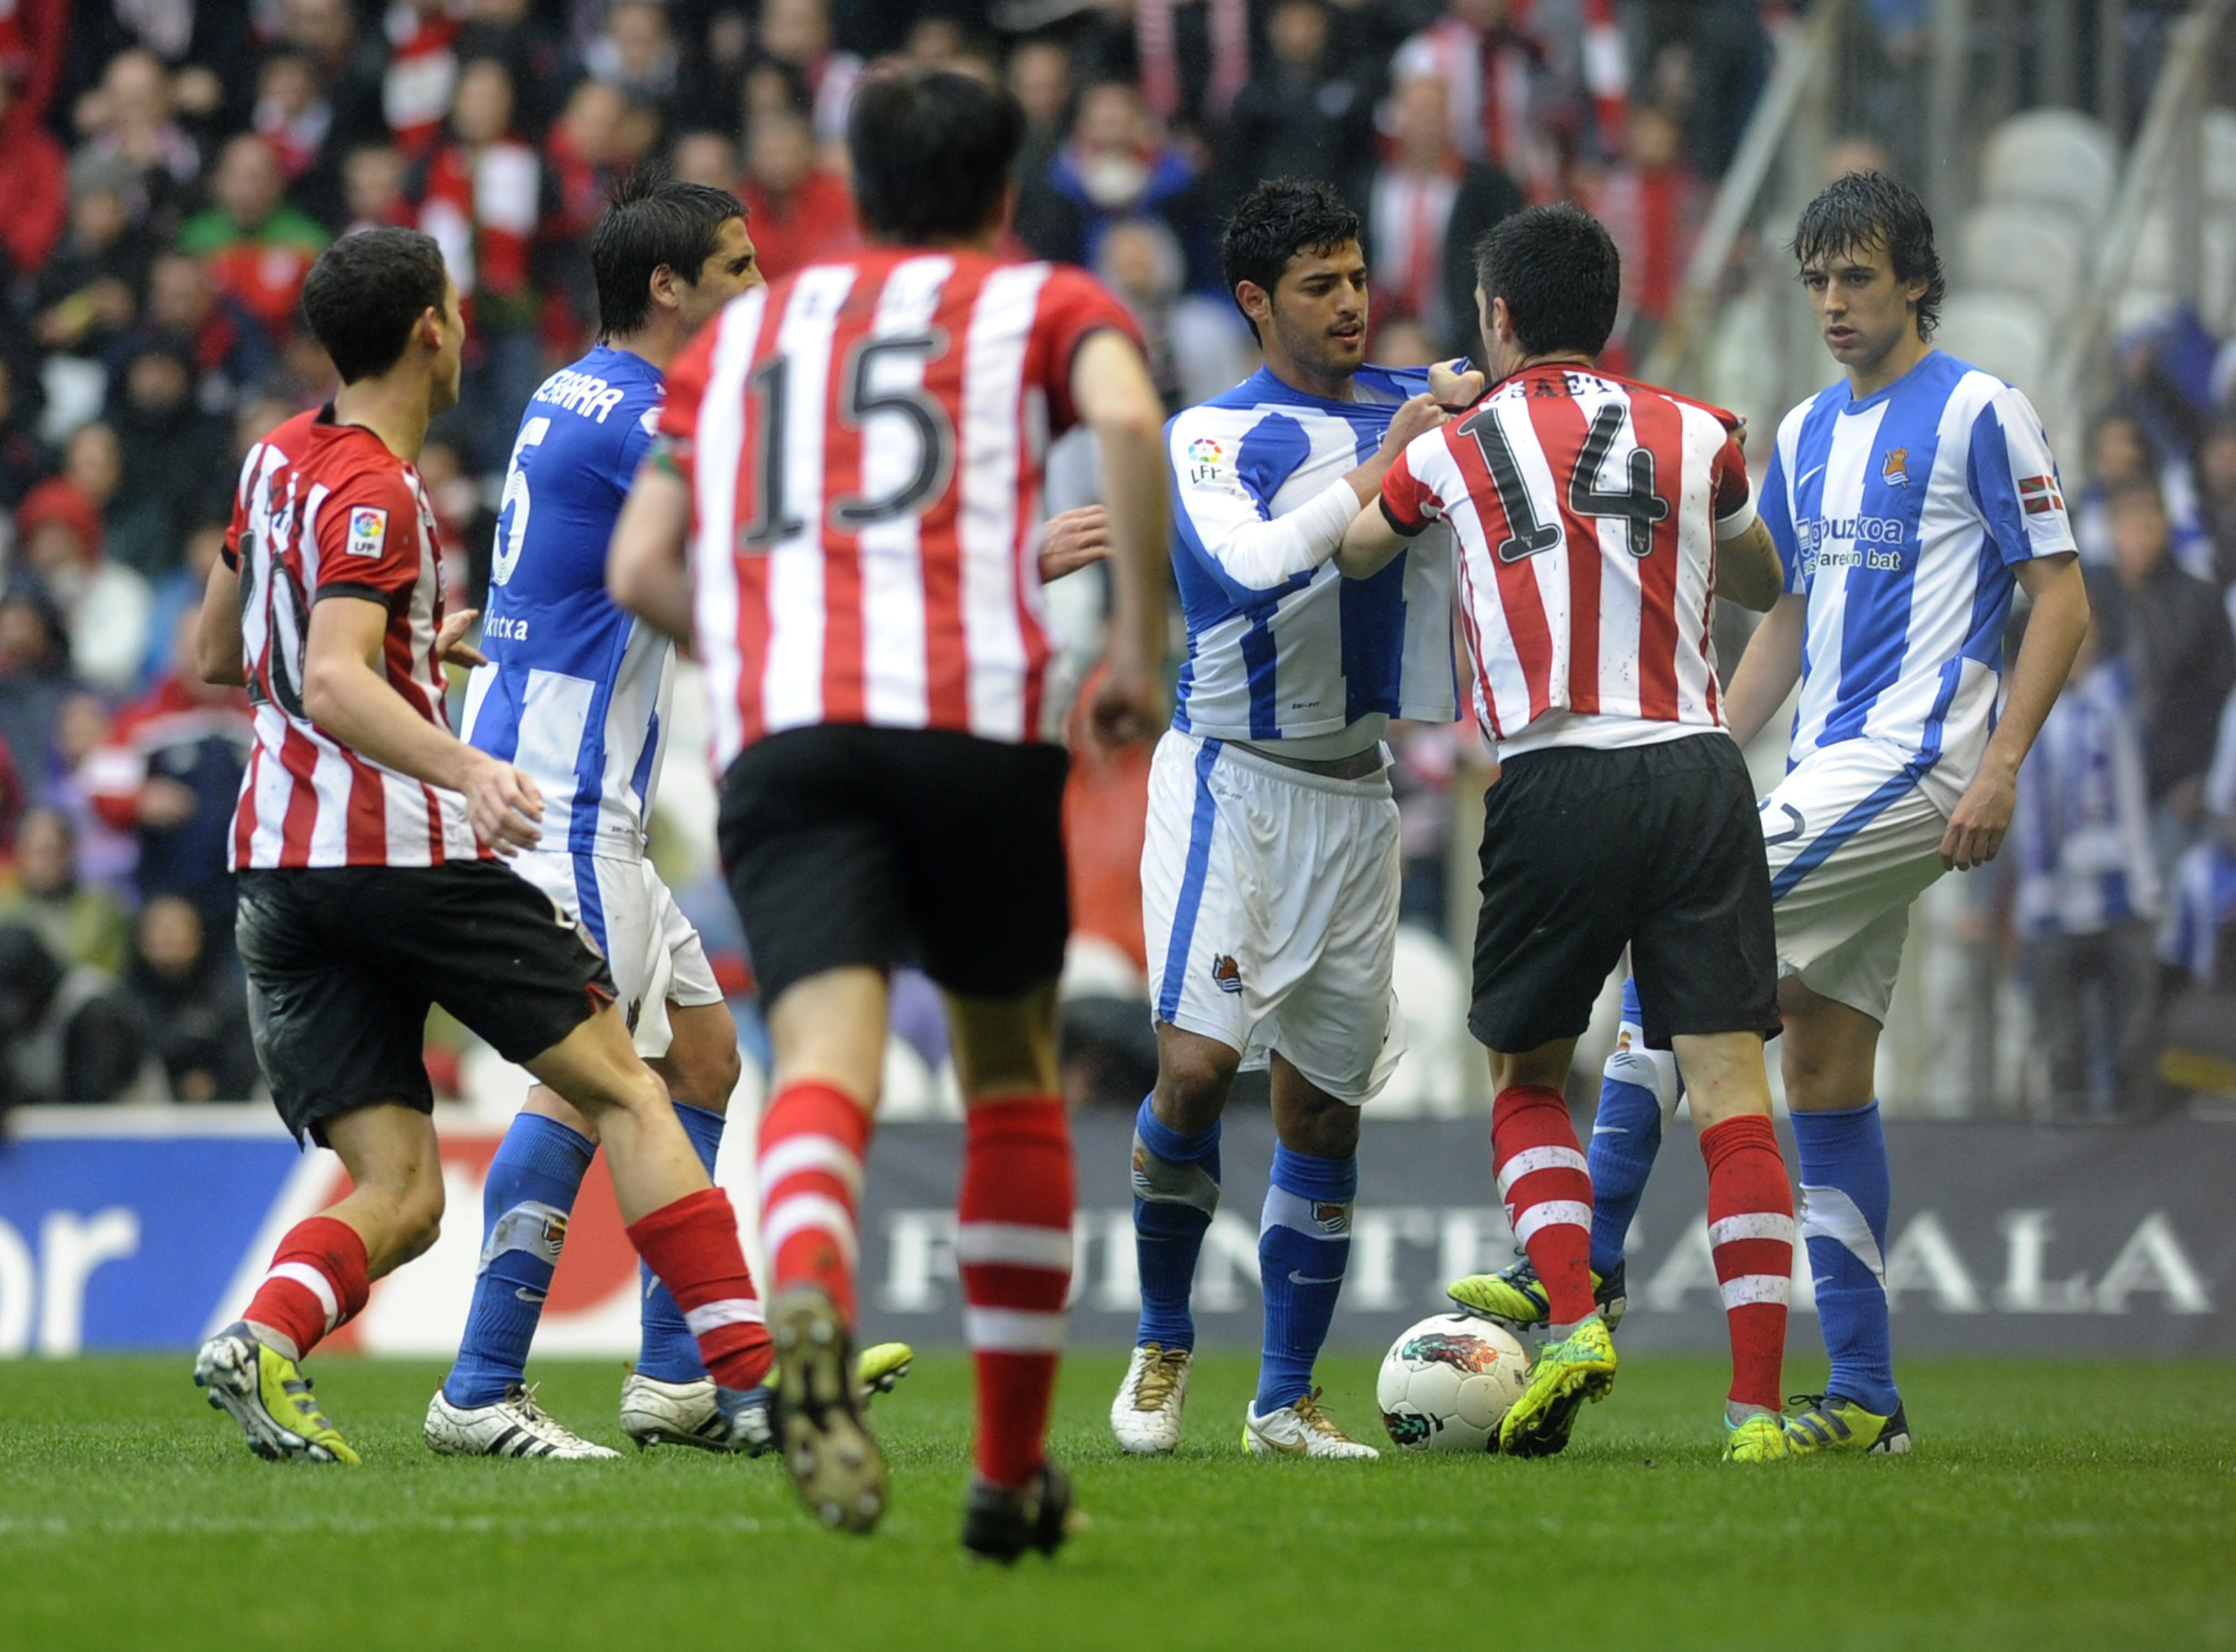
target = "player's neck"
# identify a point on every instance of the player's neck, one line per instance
(1866, 379)
(656, 344)
(1292, 372)
(394, 407)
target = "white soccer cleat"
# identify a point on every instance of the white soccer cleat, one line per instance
(1146, 1416)
(672, 1414)
(1299, 1430)
(514, 1427)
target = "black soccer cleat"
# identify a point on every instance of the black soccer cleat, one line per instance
(1000, 1524)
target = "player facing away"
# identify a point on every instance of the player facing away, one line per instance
(1596, 518)
(853, 459)
(1270, 869)
(367, 844)
(1907, 501)
(575, 692)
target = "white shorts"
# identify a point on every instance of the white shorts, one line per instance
(1853, 839)
(1269, 902)
(649, 945)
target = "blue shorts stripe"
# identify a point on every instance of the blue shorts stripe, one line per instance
(1847, 826)
(588, 902)
(1199, 862)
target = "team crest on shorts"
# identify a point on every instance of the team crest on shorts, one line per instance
(1895, 471)
(1226, 973)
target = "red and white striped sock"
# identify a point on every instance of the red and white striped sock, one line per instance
(1013, 1239)
(813, 1140)
(1547, 1192)
(317, 1284)
(1751, 1235)
(691, 1245)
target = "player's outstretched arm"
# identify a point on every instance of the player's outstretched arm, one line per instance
(1768, 670)
(1371, 543)
(1112, 390)
(2053, 637)
(1748, 569)
(646, 572)
(219, 655)
(346, 693)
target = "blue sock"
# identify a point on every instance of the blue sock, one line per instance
(1846, 1195)
(1175, 1193)
(1304, 1244)
(1626, 1134)
(525, 1203)
(670, 1352)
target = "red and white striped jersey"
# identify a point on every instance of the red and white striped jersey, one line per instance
(325, 509)
(1587, 511)
(864, 443)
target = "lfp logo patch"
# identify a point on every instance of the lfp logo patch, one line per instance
(368, 531)
(1204, 457)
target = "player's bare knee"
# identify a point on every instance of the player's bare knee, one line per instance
(1194, 1080)
(705, 1078)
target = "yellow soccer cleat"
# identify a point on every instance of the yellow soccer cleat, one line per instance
(1833, 1423)
(882, 1366)
(1761, 1438)
(268, 1397)
(1515, 1295)
(1571, 1372)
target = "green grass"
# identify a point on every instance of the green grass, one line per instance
(2050, 1505)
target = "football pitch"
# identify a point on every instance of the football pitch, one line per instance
(2077, 1503)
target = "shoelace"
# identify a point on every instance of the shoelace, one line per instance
(1798, 1404)
(1309, 1413)
(1160, 1376)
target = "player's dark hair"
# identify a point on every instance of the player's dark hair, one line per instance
(365, 294)
(652, 220)
(931, 151)
(1279, 219)
(1865, 209)
(1559, 272)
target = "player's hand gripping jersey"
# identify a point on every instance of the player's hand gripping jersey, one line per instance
(1587, 510)
(1901, 516)
(575, 690)
(325, 509)
(863, 444)
(1280, 645)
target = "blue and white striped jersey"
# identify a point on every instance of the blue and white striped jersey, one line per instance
(2083, 829)
(2202, 910)
(1901, 516)
(575, 691)
(1312, 652)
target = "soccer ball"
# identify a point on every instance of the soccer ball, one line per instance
(1446, 1384)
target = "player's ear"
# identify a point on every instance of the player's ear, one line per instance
(1255, 301)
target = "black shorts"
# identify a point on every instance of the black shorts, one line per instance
(343, 961)
(1658, 848)
(849, 845)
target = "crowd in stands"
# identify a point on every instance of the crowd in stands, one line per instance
(170, 169)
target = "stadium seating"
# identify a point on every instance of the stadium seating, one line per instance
(2004, 333)
(2014, 246)
(2056, 158)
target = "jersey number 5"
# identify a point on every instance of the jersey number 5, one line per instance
(907, 489)
(512, 510)
(1635, 504)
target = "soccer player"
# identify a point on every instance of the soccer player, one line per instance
(1907, 501)
(575, 692)
(853, 457)
(1269, 873)
(1594, 516)
(366, 846)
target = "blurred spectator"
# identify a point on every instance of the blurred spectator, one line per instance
(169, 773)
(2198, 941)
(797, 34)
(23, 455)
(180, 592)
(708, 158)
(1427, 759)
(175, 456)
(534, 56)
(1708, 60)
(1493, 76)
(2182, 657)
(373, 195)
(2120, 450)
(103, 605)
(795, 213)
(130, 119)
(2088, 893)
(230, 348)
(582, 148)
(33, 194)
(636, 52)
(1403, 343)
(1304, 113)
(11, 799)
(35, 679)
(75, 922)
(293, 117)
(1653, 205)
(1114, 166)
(186, 37)
(1429, 207)
(2216, 477)
(1191, 57)
(422, 72)
(34, 44)
(105, 856)
(258, 248)
(485, 193)
(1197, 346)
(63, 1036)
(190, 1006)
(88, 291)
(350, 67)
(1039, 73)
